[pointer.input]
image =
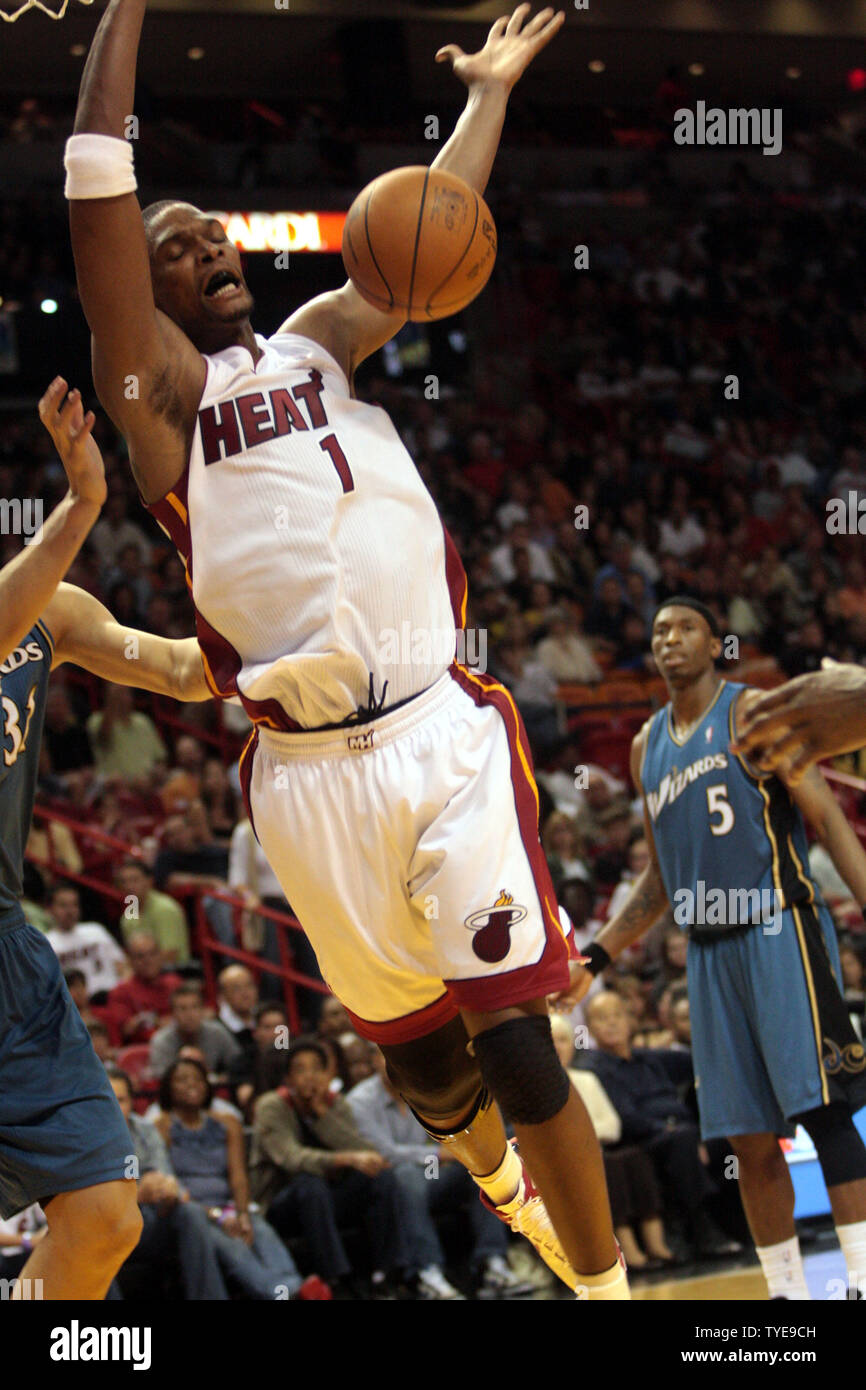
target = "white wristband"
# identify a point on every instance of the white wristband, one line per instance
(98, 166)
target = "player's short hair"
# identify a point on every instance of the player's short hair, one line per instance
(685, 601)
(153, 210)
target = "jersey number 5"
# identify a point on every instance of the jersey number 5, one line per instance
(718, 805)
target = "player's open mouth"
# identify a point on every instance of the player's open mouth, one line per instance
(221, 284)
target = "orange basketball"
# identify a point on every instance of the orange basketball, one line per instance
(420, 241)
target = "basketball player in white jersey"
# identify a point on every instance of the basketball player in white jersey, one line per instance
(393, 797)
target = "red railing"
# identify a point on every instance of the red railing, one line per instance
(210, 950)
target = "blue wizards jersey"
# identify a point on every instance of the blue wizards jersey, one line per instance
(23, 685)
(731, 844)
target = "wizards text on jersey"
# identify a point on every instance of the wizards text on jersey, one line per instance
(674, 783)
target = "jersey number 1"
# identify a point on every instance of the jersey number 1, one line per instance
(339, 460)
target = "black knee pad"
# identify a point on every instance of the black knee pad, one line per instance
(436, 1076)
(520, 1067)
(841, 1151)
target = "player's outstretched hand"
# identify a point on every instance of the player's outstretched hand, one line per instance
(812, 717)
(580, 981)
(510, 48)
(64, 418)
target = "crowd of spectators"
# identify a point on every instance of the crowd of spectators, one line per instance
(677, 418)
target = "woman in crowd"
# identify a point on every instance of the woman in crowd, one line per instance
(207, 1155)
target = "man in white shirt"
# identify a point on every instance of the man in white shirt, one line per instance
(502, 557)
(238, 996)
(679, 533)
(84, 946)
(564, 654)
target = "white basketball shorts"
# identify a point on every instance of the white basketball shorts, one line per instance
(408, 849)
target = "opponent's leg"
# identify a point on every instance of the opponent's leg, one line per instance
(90, 1234)
(767, 1194)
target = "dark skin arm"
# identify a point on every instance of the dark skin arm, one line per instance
(815, 716)
(342, 320)
(131, 339)
(646, 902)
(820, 807)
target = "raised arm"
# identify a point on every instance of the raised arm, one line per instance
(28, 582)
(147, 374)
(341, 320)
(82, 628)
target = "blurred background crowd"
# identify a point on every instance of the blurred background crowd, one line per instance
(674, 412)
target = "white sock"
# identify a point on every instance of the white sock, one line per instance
(502, 1185)
(610, 1284)
(852, 1239)
(783, 1270)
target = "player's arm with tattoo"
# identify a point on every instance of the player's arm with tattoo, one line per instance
(645, 904)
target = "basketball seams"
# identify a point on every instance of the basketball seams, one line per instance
(421, 206)
(457, 263)
(413, 261)
(373, 255)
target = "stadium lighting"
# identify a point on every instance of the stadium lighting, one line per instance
(597, 65)
(78, 50)
(49, 306)
(857, 79)
(794, 73)
(194, 54)
(696, 69)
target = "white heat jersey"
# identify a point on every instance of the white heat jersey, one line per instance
(322, 576)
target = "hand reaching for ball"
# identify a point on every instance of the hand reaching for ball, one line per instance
(815, 716)
(509, 49)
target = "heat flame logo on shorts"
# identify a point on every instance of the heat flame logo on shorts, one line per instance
(492, 928)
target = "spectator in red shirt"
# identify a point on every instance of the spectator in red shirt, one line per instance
(142, 1003)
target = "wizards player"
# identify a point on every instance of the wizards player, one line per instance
(63, 1140)
(773, 1044)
